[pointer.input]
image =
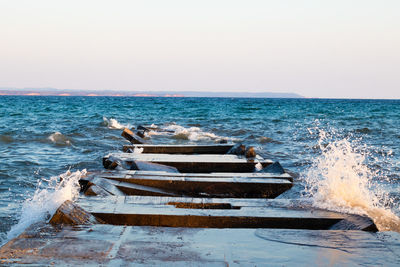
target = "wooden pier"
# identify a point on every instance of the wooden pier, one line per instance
(194, 205)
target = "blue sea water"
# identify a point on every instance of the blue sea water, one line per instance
(41, 137)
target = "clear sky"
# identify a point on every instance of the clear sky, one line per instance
(344, 49)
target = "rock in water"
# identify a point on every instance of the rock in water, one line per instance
(251, 152)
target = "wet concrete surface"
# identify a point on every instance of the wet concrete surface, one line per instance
(108, 245)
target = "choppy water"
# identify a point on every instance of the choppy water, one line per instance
(345, 153)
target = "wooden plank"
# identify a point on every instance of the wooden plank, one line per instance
(180, 149)
(193, 163)
(132, 137)
(185, 158)
(110, 245)
(213, 187)
(239, 202)
(159, 205)
(141, 190)
(70, 213)
(133, 174)
(227, 212)
(119, 188)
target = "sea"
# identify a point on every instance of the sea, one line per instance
(344, 155)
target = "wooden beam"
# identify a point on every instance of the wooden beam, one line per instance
(193, 163)
(213, 187)
(149, 174)
(180, 149)
(131, 137)
(159, 212)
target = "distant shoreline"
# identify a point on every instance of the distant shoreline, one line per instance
(59, 92)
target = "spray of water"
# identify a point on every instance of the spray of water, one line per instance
(59, 139)
(46, 200)
(114, 124)
(340, 180)
(194, 134)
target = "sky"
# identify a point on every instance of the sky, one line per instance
(329, 49)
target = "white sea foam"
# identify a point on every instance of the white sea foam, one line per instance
(114, 124)
(59, 139)
(340, 180)
(193, 133)
(45, 201)
(258, 166)
(138, 150)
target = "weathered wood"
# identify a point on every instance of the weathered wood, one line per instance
(141, 190)
(131, 137)
(237, 149)
(217, 206)
(151, 166)
(213, 187)
(250, 152)
(179, 149)
(143, 128)
(140, 134)
(149, 174)
(70, 213)
(355, 222)
(274, 168)
(263, 213)
(194, 163)
(110, 245)
(247, 214)
(94, 190)
(104, 185)
(109, 164)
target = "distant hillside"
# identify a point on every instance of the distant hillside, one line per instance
(68, 92)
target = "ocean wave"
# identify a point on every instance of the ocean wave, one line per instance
(186, 133)
(59, 139)
(46, 200)
(340, 180)
(194, 134)
(114, 124)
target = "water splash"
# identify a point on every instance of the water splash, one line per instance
(194, 134)
(138, 150)
(45, 201)
(341, 180)
(59, 139)
(114, 124)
